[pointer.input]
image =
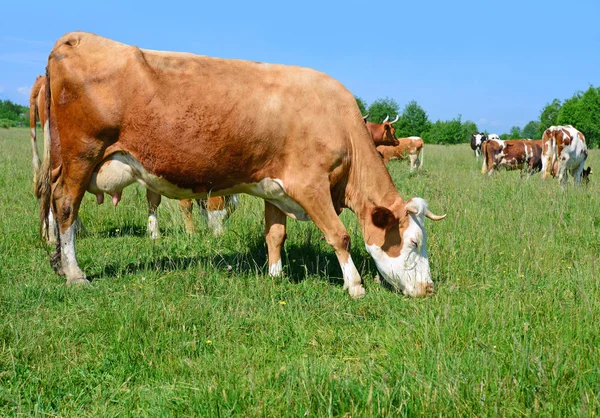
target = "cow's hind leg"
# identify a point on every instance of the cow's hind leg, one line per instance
(187, 206)
(68, 188)
(153, 203)
(317, 203)
(577, 173)
(413, 162)
(275, 236)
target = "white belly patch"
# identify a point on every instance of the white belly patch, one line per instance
(122, 169)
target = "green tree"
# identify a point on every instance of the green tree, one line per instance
(469, 128)
(449, 132)
(583, 112)
(515, 133)
(381, 108)
(413, 121)
(14, 112)
(362, 105)
(531, 130)
(549, 116)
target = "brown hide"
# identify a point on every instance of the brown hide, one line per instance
(38, 107)
(512, 155)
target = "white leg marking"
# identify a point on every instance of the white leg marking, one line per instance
(153, 226)
(69, 259)
(276, 269)
(215, 220)
(52, 229)
(352, 280)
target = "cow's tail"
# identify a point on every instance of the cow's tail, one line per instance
(35, 158)
(43, 186)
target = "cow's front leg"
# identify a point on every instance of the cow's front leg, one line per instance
(318, 205)
(275, 236)
(153, 202)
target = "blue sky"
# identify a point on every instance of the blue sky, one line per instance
(496, 63)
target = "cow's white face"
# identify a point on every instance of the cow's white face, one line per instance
(478, 139)
(404, 264)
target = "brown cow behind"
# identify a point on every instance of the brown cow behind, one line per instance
(411, 147)
(215, 211)
(382, 133)
(512, 154)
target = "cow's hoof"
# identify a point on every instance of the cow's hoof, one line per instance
(357, 292)
(77, 281)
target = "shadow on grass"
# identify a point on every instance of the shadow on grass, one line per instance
(127, 229)
(301, 260)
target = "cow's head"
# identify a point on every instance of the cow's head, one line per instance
(477, 139)
(395, 238)
(389, 132)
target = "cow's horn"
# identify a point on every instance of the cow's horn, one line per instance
(433, 217)
(395, 120)
(387, 117)
(365, 117)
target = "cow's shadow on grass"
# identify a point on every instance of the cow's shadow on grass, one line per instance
(300, 261)
(125, 230)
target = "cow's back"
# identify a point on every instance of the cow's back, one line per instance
(187, 117)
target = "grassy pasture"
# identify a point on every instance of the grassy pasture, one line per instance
(193, 326)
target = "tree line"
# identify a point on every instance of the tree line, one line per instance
(414, 121)
(12, 114)
(582, 111)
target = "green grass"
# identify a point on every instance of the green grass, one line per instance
(166, 329)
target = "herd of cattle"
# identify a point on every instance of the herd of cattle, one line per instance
(115, 114)
(561, 150)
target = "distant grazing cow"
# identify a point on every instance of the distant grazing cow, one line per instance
(382, 133)
(411, 147)
(297, 140)
(563, 150)
(477, 139)
(109, 173)
(513, 154)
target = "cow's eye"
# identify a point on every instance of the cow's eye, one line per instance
(414, 243)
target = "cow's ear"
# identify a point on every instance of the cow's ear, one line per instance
(383, 217)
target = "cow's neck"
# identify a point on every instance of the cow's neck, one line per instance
(369, 184)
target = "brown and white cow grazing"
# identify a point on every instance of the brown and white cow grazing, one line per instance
(382, 133)
(411, 147)
(298, 141)
(563, 150)
(512, 154)
(107, 178)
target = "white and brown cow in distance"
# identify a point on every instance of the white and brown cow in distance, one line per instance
(382, 133)
(110, 177)
(563, 150)
(411, 147)
(298, 141)
(512, 154)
